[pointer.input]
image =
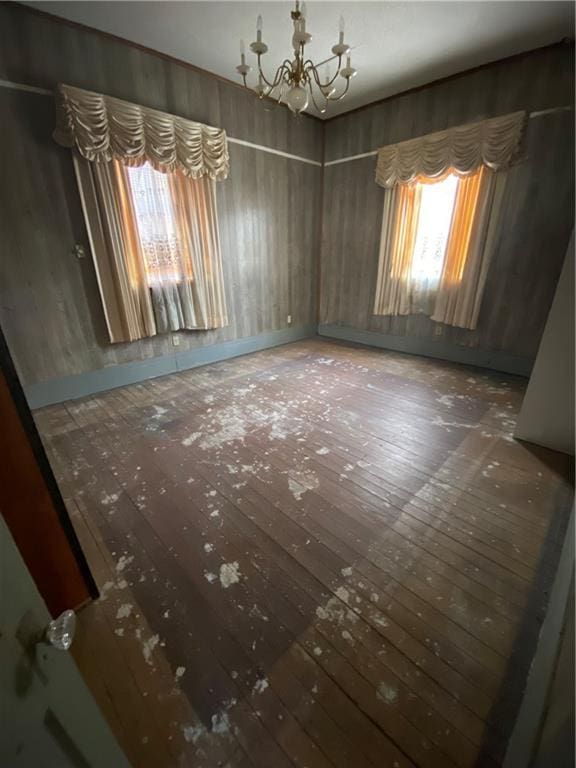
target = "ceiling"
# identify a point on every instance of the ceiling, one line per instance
(396, 45)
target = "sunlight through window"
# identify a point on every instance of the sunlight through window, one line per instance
(436, 208)
(155, 221)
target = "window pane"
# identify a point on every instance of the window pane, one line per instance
(155, 222)
(436, 207)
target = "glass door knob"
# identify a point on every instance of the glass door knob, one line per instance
(60, 631)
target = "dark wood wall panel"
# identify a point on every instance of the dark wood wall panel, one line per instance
(538, 80)
(268, 208)
(539, 205)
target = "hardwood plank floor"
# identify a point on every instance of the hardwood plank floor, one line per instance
(317, 555)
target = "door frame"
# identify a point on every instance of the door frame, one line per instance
(21, 404)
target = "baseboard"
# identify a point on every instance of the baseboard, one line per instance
(496, 361)
(91, 382)
(524, 737)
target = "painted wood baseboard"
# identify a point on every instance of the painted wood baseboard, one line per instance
(497, 361)
(91, 382)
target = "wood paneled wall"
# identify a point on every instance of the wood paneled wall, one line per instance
(268, 209)
(270, 206)
(539, 204)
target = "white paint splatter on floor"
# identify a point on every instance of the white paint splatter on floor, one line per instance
(387, 694)
(106, 587)
(257, 613)
(229, 574)
(438, 421)
(300, 482)
(232, 426)
(220, 723)
(343, 594)
(192, 733)
(109, 498)
(124, 611)
(208, 547)
(148, 647)
(260, 685)
(191, 439)
(123, 562)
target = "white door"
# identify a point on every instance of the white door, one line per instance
(48, 718)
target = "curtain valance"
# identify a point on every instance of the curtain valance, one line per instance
(493, 143)
(102, 127)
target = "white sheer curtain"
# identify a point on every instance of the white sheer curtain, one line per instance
(168, 271)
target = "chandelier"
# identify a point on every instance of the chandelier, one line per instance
(298, 80)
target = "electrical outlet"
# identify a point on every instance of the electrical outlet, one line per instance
(289, 319)
(175, 340)
(438, 330)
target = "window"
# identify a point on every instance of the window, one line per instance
(435, 246)
(156, 224)
(156, 248)
(432, 230)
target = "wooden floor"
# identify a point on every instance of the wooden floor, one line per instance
(318, 555)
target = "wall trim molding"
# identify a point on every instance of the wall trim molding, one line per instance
(523, 740)
(9, 84)
(24, 87)
(103, 379)
(271, 151)
(411, 345)
(372, 152)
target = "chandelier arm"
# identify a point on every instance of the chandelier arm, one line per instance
(275, 100)
(277, 76)
(320, 109)
(344, 92)
(309, 66)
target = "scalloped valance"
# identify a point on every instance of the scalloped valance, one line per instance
(494, 143)
(102, 127)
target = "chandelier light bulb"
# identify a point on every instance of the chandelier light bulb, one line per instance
(261, 89)
(259, 29)
(297, 98)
